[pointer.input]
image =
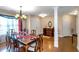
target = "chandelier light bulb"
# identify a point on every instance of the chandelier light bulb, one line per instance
(23, 16)
(17, 15)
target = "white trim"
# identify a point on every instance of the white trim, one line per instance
(63, 35)
(67, 35)
(56, 27)
(59, 35)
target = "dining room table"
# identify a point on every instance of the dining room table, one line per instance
(26, 40)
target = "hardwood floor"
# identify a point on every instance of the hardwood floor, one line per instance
(65, 45)
(3, 47)
(47, 44)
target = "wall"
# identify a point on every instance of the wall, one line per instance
(77, 25)
(35, 24)
(60, 24)
(65, 24)
(44, 22)
(69, 25)
(73, 24)
(38, 23)
(28, 27)
(77, 31)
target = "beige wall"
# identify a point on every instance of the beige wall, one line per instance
(35, 24)
(28, 27)
(69, 24)
(44, 22)
(60, 24)
(38, 23)
(77, 31)
(65, 24)
(73, 24)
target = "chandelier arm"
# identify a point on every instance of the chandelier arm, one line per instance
(20, 11)
(20, 14)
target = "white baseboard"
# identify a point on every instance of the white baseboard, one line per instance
(60, 35)
(66, 35)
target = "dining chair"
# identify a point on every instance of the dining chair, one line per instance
(15, 44)
(19, 47)
(8, 43)
(40, 43)
(36, 46)
(32, 47)
(12, 43)
(23, 48)
(33, 32)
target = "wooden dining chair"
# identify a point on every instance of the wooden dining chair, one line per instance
(18, 47)
(23, 48)
(33, 32)
(32, 47)
(37, 46)
(7, 43)
(15, 45)
(40, 43)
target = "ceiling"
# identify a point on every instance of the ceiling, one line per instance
(39, 9)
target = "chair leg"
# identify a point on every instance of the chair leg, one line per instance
(23, 48)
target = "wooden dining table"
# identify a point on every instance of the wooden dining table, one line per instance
(26, 40)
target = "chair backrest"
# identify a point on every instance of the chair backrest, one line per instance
(41, 38)
(33, 32)
(40, 43)
(7, 40)
(15, 43)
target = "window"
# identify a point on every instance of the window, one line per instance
(6, 24)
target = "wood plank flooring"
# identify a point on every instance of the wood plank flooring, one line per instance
(65, 45)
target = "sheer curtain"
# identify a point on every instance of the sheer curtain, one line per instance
(7, 23)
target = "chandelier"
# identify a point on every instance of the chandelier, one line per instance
(20, 15)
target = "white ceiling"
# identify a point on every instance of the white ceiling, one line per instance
(39, 9)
